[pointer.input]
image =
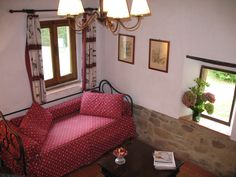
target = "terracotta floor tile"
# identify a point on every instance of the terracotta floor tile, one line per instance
(192, 170)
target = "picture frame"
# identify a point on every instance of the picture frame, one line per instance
(126, 47)
(159, 55)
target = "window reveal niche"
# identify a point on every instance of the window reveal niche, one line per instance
(223, 86)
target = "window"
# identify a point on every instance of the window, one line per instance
(58, 52)
(223, 86)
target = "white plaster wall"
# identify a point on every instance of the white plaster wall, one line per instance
(14, 86)
(152, 89)
(209, 33)
(204, 28)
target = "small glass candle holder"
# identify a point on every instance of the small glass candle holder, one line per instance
(120, 153)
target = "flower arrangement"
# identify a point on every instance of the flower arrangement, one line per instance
(197, 100)
(120, 152)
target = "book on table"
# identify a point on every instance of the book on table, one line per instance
(164, 160)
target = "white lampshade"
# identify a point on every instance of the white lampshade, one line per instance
(106, 5)
(139, 8)
(70, 7)
(118, 9)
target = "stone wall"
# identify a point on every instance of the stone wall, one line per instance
(211, 150)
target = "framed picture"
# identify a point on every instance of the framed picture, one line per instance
(159, 55)
(126, 48)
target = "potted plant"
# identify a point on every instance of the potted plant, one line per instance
(197, 100)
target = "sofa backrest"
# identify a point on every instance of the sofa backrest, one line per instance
(16, 121)
(65, 108)
(59, 110)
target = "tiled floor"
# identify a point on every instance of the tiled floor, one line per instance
(192, 170)
(187, 170)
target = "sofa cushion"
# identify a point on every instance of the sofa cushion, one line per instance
(36, 123)
(16, 121)
(65, 108)
(102, 104)
(72, 127)
(31, 147)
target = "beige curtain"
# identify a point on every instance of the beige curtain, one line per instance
(89, 76)
(33, 59)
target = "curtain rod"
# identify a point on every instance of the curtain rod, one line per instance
(32, 11)
(232, 65)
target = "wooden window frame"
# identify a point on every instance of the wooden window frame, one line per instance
(203, 76)
(57, 79)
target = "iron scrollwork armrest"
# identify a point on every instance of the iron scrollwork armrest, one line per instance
(8, 135)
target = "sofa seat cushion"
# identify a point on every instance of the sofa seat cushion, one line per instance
(36, 123)
(71, 127)
(102, 104)
(67, 146)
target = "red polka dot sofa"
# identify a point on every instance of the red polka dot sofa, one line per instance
(51, 142)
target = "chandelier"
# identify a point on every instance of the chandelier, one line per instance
(113, 14)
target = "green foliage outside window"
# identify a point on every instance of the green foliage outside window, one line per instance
(228, 77)
(45, 36)
(62, 32)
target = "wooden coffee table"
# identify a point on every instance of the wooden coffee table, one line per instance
(139, 163)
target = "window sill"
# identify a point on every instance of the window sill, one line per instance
(209, 124)
(63, 86)
(64, 89)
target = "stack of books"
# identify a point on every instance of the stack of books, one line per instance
(164, 160)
